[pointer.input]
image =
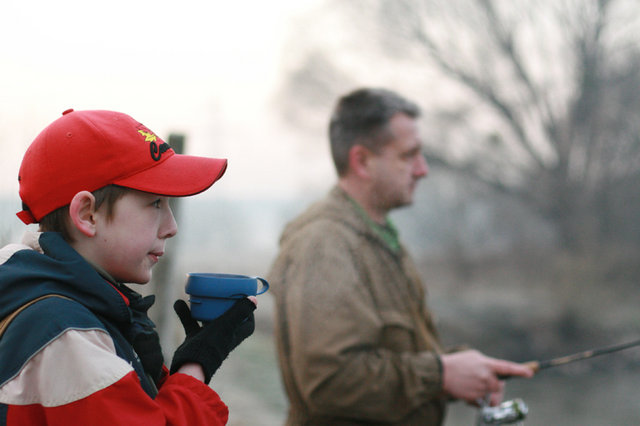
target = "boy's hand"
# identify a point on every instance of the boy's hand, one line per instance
(210, 344)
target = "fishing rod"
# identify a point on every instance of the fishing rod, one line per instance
(515, 411)
(579, 356)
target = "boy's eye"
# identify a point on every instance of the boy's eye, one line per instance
(157, 203)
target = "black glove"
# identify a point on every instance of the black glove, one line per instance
(210, 344)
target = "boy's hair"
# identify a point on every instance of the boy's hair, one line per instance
(58, 220)
(89, 150)
(361, 118)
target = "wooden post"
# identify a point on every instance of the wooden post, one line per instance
(167, 287)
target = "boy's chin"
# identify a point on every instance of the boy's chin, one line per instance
(137, 280)
(143, 281)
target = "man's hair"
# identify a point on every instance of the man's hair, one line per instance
(58, 220)
(361, 118)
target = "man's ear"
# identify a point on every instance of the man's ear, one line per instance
(359, 157)
(82, 210)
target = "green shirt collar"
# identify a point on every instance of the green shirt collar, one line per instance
(387, 231)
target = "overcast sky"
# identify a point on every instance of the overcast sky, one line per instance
(204, 68)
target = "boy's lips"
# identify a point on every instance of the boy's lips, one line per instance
(155, 256)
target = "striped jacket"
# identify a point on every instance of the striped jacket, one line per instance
(71, 360)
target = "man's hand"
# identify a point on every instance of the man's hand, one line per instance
(470, 375)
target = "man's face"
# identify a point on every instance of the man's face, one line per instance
(396, 169)
(133, 239)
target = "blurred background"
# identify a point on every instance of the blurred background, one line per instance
(527, 230)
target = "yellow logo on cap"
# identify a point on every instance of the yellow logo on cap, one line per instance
(148, 136)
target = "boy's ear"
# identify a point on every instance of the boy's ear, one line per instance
(82, 210)
(359, 160)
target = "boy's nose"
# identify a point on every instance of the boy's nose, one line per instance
(170, 227)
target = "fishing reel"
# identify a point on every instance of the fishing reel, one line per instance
(509, 412)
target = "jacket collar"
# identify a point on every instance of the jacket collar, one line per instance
(339, 207)
(47, 264)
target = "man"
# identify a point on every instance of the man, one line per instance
(356, 342)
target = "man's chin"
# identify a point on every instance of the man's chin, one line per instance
(402, 203)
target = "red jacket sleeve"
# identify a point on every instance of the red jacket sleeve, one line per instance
(78, 379)
(182, 401)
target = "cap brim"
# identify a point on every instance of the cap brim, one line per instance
(177, 176)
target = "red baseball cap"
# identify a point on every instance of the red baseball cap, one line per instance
(87, 150)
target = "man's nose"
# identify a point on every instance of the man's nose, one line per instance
(421, 167)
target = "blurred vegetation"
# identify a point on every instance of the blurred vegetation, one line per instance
(527, 230)
(537, 100)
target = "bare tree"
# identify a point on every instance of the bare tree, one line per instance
(542, 103)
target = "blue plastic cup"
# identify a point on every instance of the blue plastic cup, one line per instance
(212, 294)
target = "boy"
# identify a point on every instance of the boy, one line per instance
(98, 183)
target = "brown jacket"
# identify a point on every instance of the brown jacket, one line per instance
(356, 344)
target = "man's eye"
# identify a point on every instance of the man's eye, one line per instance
(157, 203)
(410, 156)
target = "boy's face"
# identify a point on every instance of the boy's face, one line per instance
(130, 243)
